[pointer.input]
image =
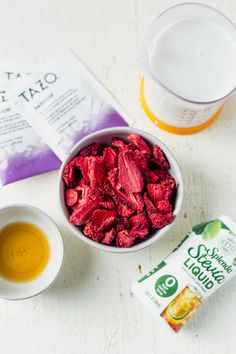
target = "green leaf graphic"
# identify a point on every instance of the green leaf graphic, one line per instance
(223, 226)
(198, 229)
(211, 230)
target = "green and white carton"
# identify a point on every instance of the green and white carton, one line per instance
(196, 268)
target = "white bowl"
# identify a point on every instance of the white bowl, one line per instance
(104, 136)
(26, 213)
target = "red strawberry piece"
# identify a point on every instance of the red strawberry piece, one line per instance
(151, 176)
(125, 221)
(83, 213)
(71, 196)
(130, 147)
(140, 143)
(81, 162)
(85, 192)
(124, 210)
(109, 157)
(113, 178)
(158, 192)
(164, 207)
(111, 189)
(151, 209)
(139, 226)
(109, 236)
(124, 239)
(140, 157)
(69, 175)
(118, 143)
(133, 200)
(129, 174)
(159, 157)
(159, 220)
(162, 174)
(96, 171)
(120, 226)
(107, 205)
(93, 149)
(169, 182)
(137, 201)
(103, 219)
(90, 232)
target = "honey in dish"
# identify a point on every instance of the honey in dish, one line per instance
(24, 252)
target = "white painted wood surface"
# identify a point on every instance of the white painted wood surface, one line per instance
(90, 309)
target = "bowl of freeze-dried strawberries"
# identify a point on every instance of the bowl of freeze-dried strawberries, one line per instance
(121, 189)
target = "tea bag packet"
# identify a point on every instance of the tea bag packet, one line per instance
(64, 102)
(22, 151)
(203, 262)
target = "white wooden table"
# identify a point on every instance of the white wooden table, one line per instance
(90, 309)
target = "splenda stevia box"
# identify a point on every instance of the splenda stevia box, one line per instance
(196, 268)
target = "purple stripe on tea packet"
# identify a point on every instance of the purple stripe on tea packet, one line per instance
(21, 166)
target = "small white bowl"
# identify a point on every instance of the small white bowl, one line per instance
(104, 136)
(11, 290)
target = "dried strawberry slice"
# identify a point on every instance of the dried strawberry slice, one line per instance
(113, 178)
(125, 221)
(90, 232)
(69, 175)
(139, 143)
(159, 157)
(139, 226)
(140, 157)
(118, 143)
(151, 209)
(109, 157)
(120, 226)
(137, 201)
(96, 171)
(107, 205)
(129, 174)
(71, 196)
(93, 149)
(124, 239)
(83, 213)
(109, 236)
(103, 219)
(124, 210)
(133, 200)
(112, 189)
(151, 176)
(81, 162)
(164, 207)
(159, 220)
(162, 174)
(85, 192)
(158, 192)
(169, 182)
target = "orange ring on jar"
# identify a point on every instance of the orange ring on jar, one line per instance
(170, 128)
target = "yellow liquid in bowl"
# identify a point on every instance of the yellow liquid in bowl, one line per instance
(24, 252)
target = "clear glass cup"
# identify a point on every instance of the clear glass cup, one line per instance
(164, 107)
